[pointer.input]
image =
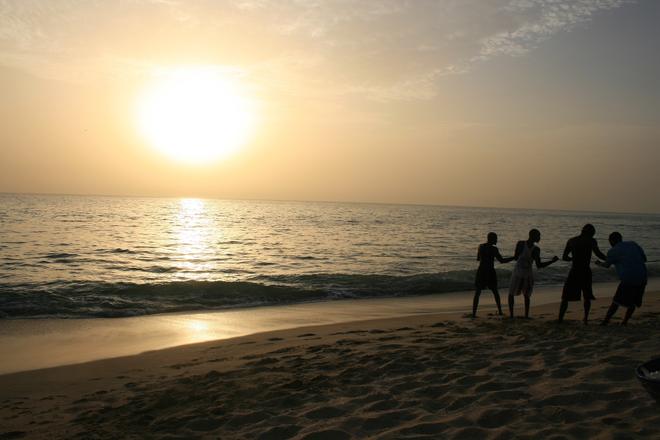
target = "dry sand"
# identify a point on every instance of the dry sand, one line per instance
(429, 376)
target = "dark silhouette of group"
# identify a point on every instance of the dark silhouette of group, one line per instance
(627, 256)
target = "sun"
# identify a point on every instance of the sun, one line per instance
(195, 114)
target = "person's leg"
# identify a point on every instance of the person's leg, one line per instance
(527, 301)
(511, 302)
(475, 302)
(587, 308)
(588, 294)
(562, 309)
(496, 294)
(629, 313)
(610, 312)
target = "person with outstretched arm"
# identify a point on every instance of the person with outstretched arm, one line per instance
(486, 276)
(522, 278)
(630, 262)
(579, 282)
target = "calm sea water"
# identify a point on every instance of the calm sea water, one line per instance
(74, 256)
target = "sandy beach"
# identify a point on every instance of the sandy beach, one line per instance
(421, 376)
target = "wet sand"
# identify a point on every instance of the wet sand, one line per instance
(43, 343)
(416, 376)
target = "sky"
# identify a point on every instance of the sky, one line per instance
(550, 104)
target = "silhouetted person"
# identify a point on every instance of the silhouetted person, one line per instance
(629, 259)
(522, 278)
(578, 251)
(486, 275)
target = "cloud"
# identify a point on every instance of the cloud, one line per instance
(544, 18)
(382, 50)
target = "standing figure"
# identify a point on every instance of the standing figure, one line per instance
(578, 251)
(629, 259)
(522, 279)
(486, 275)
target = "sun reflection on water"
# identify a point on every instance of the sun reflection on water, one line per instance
(194, 236)
(197, 330)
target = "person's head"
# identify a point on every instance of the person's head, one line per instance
(615, 238)
(535, 235)
(588, 230)
(492, 238)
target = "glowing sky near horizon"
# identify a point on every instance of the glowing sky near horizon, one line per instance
(520, 103)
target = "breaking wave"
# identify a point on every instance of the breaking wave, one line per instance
(88, 299)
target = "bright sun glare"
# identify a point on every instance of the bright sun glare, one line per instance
(195, 115)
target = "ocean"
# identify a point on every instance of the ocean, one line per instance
(93, 256)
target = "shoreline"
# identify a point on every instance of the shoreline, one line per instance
(415, 376)
(46, 343)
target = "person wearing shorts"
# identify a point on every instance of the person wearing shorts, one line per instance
(578, 283)
(522, 278)
(630, 262)
(486, 277)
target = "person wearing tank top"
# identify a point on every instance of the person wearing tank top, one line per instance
(522, 279)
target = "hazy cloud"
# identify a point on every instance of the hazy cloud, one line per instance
(384, 50)
(544, 18)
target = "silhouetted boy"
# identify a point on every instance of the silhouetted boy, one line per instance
(522, 278)
(629, 259)
(578, 251)
(486, 275)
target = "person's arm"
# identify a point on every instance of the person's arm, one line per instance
(500, 258)
(518, 250)
(609, 260)
(479, 253)
(641, 251)
(536, 255)
(597, 251)
(567, 251)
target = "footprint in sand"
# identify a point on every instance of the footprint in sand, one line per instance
(532, 374)
(562, 373)
(500, 386)
(424, 429)
(204, 424)
(328, 434)
(494, 418)
(249, 418)
(515, 365)
(279, 432)
(461, 403)
(382, 405)
(386, 420)
(351, 342)
(326, 412)
(618, 374)
(12, 435)
(469, 434)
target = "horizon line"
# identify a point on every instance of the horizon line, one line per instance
(587, 211)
